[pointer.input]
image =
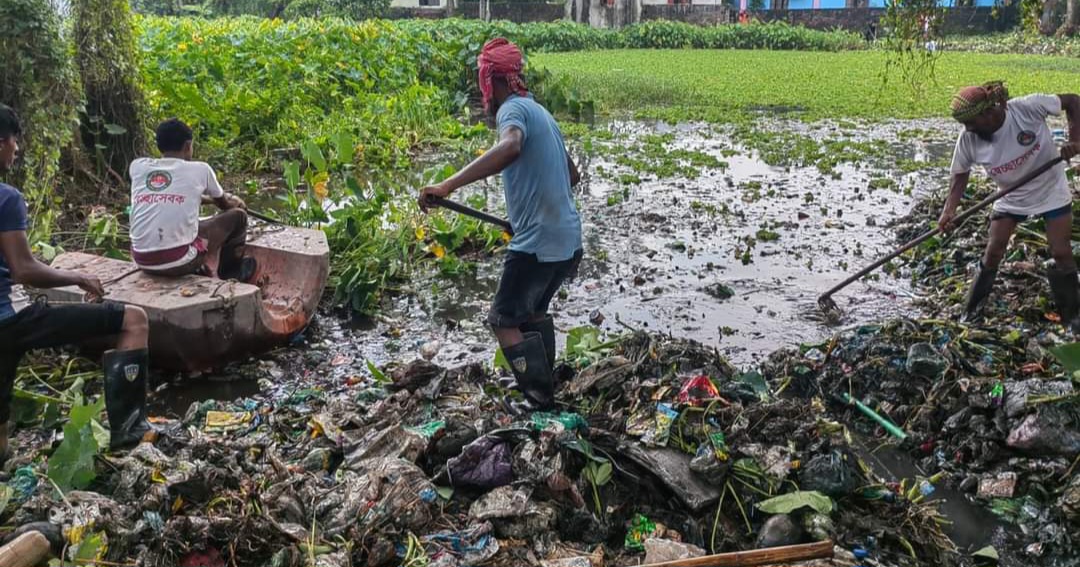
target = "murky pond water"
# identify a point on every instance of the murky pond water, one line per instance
(733, 255)
(972, 526)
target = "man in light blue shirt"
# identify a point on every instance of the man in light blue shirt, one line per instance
(546, 247)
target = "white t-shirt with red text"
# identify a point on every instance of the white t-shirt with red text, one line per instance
(166, 194)
(1022, 144)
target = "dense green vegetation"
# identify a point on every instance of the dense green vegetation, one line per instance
(720, 85)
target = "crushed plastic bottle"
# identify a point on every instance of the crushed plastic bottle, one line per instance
(860, 555)
(815, 355)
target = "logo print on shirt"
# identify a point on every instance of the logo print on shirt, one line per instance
(1025, 138)
(158, 181)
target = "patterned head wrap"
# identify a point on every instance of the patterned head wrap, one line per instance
(973, 101)
(500, 58)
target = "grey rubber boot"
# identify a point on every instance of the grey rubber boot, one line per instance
(125, 396)
(528, 360)
(980, 289)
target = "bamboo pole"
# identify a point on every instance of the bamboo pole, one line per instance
(27, 550)
(756, 557)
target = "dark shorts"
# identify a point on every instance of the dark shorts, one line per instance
(527, 286)
(1048, 215)
(40, 326)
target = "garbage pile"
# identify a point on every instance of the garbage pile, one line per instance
(662, 450)
(988, 414)
(989, 409)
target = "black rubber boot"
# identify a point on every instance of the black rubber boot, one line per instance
(528, 360)
(546, 328)
(1065, 289)
(243, 271)
(980, 289)
(125, 396)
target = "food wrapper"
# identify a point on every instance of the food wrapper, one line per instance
(663, 418)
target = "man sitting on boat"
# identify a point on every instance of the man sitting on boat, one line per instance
(167, 237)
(27, 326)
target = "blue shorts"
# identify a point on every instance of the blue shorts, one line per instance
(1048, 215)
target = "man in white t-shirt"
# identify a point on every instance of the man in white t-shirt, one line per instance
(167, 237)
(1009, 139)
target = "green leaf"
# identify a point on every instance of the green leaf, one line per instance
(25, 410)
(582, 340)
(292, 175)
(344, 147)
(603, 473)
(314, 155)
(500, 361)
(354, 187)
(101, 435)
(6, 493)
(787, 503)
(987, 552)
(71, 466)
(598, 473)
(445, 492)
(756, 381)
(51, 416)
(47, 251)
(90, 548)
(377, 374)
(115, 130)
(1068, 355)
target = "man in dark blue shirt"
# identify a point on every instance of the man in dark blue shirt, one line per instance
(27, 326)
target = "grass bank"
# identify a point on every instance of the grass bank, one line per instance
(719, 85)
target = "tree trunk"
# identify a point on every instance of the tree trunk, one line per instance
(1072, 19)
(1046, 22)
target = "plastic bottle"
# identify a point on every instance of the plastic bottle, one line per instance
(860, 555)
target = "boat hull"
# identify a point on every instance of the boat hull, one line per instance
(197, 323)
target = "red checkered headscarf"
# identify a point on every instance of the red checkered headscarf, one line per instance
(500, 58)
(973, 101)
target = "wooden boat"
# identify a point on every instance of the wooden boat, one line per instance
(198, 322)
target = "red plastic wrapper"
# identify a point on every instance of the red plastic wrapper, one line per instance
(698, 391)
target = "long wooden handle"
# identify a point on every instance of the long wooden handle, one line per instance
(959, 219)
(262, 217)
(756, 557)
(471, 212)
(27, 550)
